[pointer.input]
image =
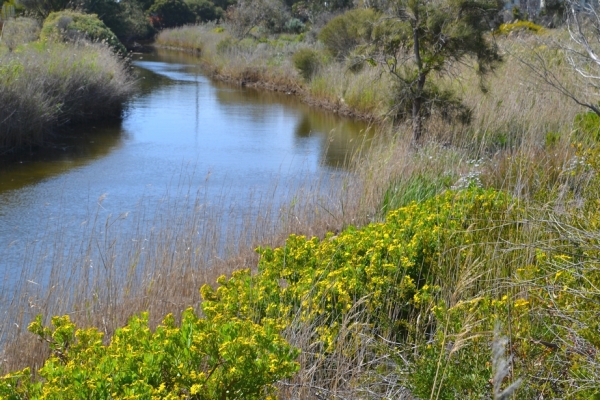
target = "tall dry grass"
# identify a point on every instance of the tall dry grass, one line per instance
(48, 85)
(519, 141)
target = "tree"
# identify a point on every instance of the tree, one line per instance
(419, 37)
(248, 14)
(42, 8)
(581, 83)
(171, 13)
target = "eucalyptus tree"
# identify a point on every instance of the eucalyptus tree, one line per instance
(417, 38)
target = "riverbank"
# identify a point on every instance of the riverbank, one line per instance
(45, 86)
(267, 64)
(441, 264)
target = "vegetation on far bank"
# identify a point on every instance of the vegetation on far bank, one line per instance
(465, 269)
(45, 86)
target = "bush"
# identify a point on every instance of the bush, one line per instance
(346, 31)
(171, 13)
(74, 26)
(125, 18)
(307, 62)
(294, 25)
(20, 31)
(217, 357)
(51, 84)
(519, 26)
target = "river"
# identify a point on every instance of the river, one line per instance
(182, 135)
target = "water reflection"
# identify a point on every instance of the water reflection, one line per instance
(82, 146)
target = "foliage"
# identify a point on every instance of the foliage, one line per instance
(131, 22)
(311, 10)
(73, 26)
(385, 274)
(270, 15)
(126, 18)
(383, 266)
(45, 85)
(307, 62)
(19, 31)
(587, 127)
(10, 9)
(294, 25)
(205, 10)
(414, 188)
(41, 9)
(171, 13)
(217, 357)
(348, 30)
(418, 38)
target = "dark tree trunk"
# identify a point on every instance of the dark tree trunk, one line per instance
(417, 119)
(417, 105)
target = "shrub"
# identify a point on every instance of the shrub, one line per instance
(217, 357)
(128, 21)
(51, 84)
(587, 127)
(171, 13)
(307, 62)
(20, 31)
(294, 25)
(74, 26)
(384, 266)
(346, 31)
(519, 26)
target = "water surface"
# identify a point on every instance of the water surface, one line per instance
(181, 131)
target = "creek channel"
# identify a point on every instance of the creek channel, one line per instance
(182, 134)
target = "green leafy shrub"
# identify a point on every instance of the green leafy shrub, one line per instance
(128, 21)
(73, 26)
(294, 25)
(307, 62)
(217, 357)
(346, 31)
(385, 276)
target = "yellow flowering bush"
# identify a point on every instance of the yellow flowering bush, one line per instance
(215, 357)
(386, 278)
(387, 269)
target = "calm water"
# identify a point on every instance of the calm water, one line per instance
(181, 130)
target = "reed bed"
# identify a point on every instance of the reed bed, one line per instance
(50, 85)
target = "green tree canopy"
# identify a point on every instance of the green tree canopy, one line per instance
(418, 37)
(171, 13)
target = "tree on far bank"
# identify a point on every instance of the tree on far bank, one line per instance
(418, 38)
(171, 13)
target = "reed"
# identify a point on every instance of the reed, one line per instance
(47, 85)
